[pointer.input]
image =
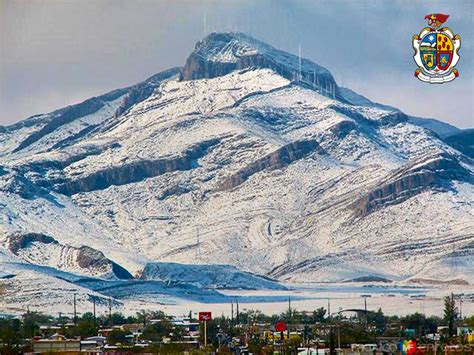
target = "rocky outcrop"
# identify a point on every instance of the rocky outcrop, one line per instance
(18, 241)
(175, 190)
(69, 114)
(369, 278)
(275, 160)
(221, 53)
(143, 90)
(16, 183)
(89, 259)
(391, 118)
(56, 119)
(136, 171)
(433, 172)
(342, 129)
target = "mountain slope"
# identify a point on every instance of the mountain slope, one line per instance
(462, 141)
(242, 158)
(442, 129)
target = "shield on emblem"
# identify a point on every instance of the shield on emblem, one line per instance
(444, 59)
(428, 57)
(444, 53)
(428, 51)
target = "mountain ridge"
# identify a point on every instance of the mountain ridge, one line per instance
(233, 160)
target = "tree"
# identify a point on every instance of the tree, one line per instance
(118, 336)
(414, 321)
(10, 336)
(142, 317)
(118, 318)
(318, 315)
(86, 328)
(450, 314)
(379, 320)
(31, 322)
(470, 321)
(157, 331)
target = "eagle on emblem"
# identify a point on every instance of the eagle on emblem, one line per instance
(436, 20)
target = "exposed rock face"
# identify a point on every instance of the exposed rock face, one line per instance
(370, 278)
(69, 114)
(143, 90)
(89, 259)
(75, 137)
(221, 53)
(342, 129)
(174, 191)
(56, 119)
(275, 160)
(136, 171)
(17, 183)
(431, 172)
(19, 241)
(391, 118)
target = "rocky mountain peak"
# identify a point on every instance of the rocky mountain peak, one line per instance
(219, 54)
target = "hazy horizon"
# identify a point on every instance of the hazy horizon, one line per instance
(54, 54)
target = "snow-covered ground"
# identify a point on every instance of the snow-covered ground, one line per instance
(392, 300)
(247, 168)
(397, 299)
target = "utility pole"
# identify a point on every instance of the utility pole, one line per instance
(366, 316)
(231, 312)
(365, 310)
(238, 316)
(93, 308)
(75, 314)
(329, 308)
(289, 306)
(338, 337)
(110, 311)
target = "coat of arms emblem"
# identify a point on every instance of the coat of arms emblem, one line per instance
(436, 51)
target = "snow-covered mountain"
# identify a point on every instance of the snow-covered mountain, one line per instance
(247, 156)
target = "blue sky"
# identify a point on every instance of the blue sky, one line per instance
(55, 53)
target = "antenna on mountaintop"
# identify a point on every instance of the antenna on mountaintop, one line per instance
(204, 20)
(299, 62)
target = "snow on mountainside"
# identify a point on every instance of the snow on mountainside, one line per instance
(442, 129)
(462, 141)
(238, 158)
(208, 276)
(40, 248)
